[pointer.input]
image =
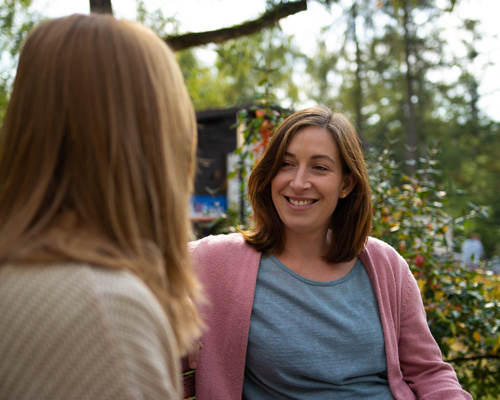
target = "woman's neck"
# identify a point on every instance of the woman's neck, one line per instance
(306, 246)
(304, 254)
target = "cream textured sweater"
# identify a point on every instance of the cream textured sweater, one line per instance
(78, 332)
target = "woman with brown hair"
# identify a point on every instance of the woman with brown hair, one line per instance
(306, 305)
(97, 296)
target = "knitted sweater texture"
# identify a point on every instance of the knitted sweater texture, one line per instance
(79, 332)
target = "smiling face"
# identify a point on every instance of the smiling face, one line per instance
(307, 187)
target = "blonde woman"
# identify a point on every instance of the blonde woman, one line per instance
(97, 299)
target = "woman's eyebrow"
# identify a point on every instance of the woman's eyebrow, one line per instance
(322, 156)
(313, 157)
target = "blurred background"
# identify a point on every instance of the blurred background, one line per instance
(420, 80)
(412, 74)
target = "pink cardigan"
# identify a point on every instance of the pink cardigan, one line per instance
(227, 267)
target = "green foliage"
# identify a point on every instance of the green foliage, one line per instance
(477, 172)
(319, 68)
(264, 60)
(462, 306)
(15, 22)
(245, 69)
(256, 125)
(206, 91)
(228, 222)
(156, 20)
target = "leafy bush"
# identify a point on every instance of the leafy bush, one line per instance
(462, 305)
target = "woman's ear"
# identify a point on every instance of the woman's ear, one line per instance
(348, 184)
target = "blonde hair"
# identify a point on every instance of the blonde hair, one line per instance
(350, 223)
(97, 158)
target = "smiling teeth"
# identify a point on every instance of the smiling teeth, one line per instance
(300, 202)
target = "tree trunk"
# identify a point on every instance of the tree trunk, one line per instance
(473, 85)
(268, 19)
(358, 89)
(101, 6)
(411, 142)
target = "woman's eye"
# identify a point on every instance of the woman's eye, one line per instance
(286, 164)
(321, 168)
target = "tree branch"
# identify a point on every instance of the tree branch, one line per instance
(268, 19)
(474, 358)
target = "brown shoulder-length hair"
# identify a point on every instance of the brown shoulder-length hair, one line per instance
(351, 221)
(97, 158)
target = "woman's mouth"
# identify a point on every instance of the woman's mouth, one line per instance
(300, 202)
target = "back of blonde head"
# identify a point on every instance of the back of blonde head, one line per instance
(97, 158)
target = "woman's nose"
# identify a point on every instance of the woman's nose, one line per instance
(300, 180)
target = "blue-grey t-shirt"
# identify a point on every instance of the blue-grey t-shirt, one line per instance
(314, 340)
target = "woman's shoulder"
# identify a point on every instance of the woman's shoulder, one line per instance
(70, 283)
(223, 254)
(124, 286)
(385, 265)
(86, 298)
(377, 247)
(380, 256)
(232, 243)
(221, 239)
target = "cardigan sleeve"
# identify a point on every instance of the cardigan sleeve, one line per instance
(422, 366)
(227, 268)
(414, 361)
